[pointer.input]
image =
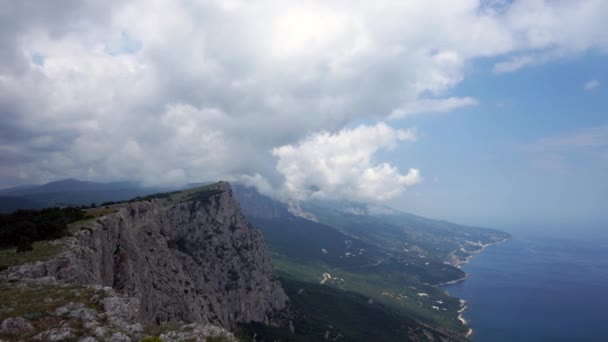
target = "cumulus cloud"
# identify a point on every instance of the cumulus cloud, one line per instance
(592, 84)
(341, 165)
(171, 91)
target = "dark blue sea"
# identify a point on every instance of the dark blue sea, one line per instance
(538, 288)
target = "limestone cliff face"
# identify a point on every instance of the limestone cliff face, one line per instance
(195, 261)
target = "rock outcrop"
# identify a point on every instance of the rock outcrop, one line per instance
(195, 260)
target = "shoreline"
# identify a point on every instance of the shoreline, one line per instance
(472, 254)
(463, 306)
(452, 282)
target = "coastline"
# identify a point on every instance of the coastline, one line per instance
(463, 303)
(473, 253)
(452, 282)
(463, 307)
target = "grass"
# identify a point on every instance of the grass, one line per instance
(374, 283)
(37, 303)
(42, 251)
(342, 315)
(45, 250)
(200, 193)
(93, 214)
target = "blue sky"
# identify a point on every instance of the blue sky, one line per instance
(489, 163)
(489, 112)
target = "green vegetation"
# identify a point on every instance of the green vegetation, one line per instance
(27, 235)
(41, 251)
(387, 259)
(23, 227)
(201, 194)
(302, 251)
(322, 311)
(37, 304)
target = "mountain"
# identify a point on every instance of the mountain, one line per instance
(181, 264)
(70, 192)
(67, 185)
(9, 204)
(202, 261)
(359, 254)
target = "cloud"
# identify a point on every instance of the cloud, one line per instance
(592, 84)
(433, 106)
(522, 61)
(185, 90)
(514, 64)
(341, 165)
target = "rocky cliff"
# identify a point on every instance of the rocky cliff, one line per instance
(190, 257)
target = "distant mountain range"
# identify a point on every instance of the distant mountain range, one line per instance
(70, 192)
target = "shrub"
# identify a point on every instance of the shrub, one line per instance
(25, 226)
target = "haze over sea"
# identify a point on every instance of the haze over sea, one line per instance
(539, 287)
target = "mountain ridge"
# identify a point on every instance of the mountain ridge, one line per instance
(186, 257)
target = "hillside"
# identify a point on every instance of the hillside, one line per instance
(188, 263)
(178, 264)
(379, 255)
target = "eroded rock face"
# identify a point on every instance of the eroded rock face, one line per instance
(196, 261)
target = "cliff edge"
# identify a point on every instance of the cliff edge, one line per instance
(182, 257)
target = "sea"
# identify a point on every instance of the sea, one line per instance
(538, 287)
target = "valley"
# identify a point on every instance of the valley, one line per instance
(391, 259)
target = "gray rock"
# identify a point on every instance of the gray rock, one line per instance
(15, 325)
(56, 334)
(100, 332)
(197, 332)
(90, 325)
(197, 261)
(77, 310)
(85, 314)
(88, 339)
(119, 337)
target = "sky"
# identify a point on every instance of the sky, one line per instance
(483, 112)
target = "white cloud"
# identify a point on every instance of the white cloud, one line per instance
(166, 91)
(514, 64)
(590, 85)
(433, 106)
(341, 165)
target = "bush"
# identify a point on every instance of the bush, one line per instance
(23, 226)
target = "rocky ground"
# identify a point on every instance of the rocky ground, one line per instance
(48, 311)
